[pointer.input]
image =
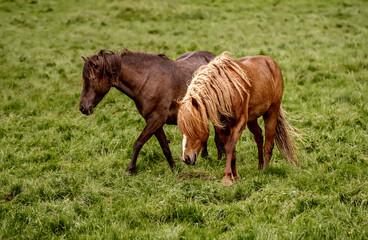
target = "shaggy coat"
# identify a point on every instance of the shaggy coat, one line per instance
(234, 94)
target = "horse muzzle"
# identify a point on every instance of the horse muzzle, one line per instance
(86, 110)
(188, 160)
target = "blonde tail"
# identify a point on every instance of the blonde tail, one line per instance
(284, 142)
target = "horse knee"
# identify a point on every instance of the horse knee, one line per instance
(137, 145)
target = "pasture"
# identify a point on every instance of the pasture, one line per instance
(64, 175)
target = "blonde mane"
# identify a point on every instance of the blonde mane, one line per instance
(212, 91)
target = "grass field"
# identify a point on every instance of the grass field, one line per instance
(64, 175)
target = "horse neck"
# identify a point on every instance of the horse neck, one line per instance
(131, 76)
(134, 72)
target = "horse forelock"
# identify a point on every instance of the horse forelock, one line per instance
(104, 65)
(192, 122)
(213, 87)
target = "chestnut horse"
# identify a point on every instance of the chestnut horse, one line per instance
(152, 81)
(233, 94)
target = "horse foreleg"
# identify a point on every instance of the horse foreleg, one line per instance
(270, 122)
(230, 173)
(219, 145)
(204, 152)
(229, 153)
(152, 125)
(164, 143)
(233, 167)
(255, 129)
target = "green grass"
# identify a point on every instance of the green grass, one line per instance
(64, 175)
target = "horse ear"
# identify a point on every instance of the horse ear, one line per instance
(94, 63)
(177, 103)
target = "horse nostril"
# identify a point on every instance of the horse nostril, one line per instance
(81, 108)
(187, 160)
(90, 110)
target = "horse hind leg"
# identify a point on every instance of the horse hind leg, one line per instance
(256, 130)
(270, 122)
(204, 152)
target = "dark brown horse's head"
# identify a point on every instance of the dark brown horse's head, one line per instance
(99, 72)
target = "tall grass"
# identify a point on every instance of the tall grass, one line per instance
(64, 175)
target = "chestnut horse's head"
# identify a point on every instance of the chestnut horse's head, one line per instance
(194, 126)
(98, 73)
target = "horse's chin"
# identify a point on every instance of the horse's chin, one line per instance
(90, 111)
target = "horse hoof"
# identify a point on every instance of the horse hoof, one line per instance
(177, 169)
(173, 167)
(132, 171)
(236, 178)
(226, 182)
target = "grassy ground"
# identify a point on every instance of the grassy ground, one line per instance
(63, 175)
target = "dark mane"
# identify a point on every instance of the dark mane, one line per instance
(106, 63)
(126, 51)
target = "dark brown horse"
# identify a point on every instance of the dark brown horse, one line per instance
(152, 81)
(234, 94)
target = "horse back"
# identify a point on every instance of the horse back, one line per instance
(204, 55)
(267, 84)
(187, 64)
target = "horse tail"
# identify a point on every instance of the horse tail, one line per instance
(284, 142)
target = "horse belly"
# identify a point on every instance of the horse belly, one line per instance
(259, 102)
(173, 114)
(257, 111)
